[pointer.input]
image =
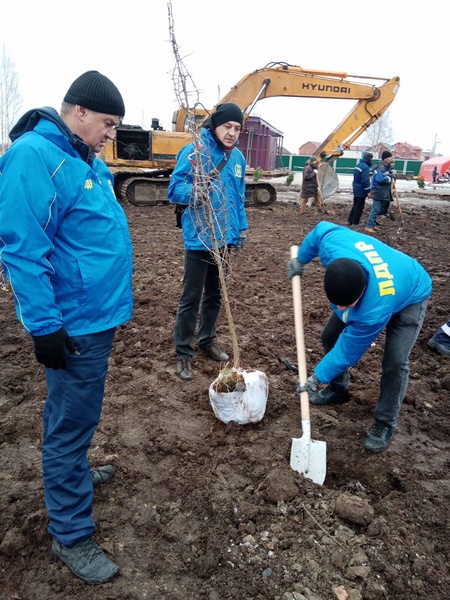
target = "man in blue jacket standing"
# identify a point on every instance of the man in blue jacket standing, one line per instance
(361, 187)
(208, 184)
(371, 287)
(67, 254)
(381, 190)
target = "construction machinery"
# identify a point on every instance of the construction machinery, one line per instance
(142, 160)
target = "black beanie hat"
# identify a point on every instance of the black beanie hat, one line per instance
(224, 113)
(96, 92)
(345, 280)
(386, 154)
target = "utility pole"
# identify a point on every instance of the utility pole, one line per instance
(433, 151)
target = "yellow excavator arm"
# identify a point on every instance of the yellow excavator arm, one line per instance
(142, 160)
(281, 79)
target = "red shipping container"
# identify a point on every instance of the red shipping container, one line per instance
(261, 144)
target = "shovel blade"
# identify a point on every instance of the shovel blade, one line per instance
(309, 458)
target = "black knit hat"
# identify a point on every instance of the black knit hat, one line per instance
(386, 154)
(224, 113)
(96, 92)
(344, 282)
(312, 159)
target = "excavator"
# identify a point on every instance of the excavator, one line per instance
(143, 160)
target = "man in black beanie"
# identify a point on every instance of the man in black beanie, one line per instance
(371, 287)
(208, 180)
(68, 256)
(383, 178)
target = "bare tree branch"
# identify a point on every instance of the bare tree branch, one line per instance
(379, 132)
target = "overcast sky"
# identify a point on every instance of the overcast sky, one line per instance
(52, 42)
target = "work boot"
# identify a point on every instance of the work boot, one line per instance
(102, 474)
(184, 368)
(379, 437)
(87, 561)
(441, 348)
(214, 352)
(370, 229)
(331, 394)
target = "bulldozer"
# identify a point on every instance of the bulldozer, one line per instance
(142, 160)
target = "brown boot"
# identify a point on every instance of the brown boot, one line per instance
(304, 202)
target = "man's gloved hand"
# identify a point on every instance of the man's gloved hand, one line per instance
(241, 241)
(50, 349)
(294, 267)
(311, 385)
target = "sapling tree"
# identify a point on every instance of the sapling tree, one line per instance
(206, 182)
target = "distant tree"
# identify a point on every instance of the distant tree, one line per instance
(379, 132)
(10, 98)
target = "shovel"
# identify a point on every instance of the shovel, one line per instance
(308, 457)
(402, 222)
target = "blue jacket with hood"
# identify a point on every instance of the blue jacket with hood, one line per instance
(361, 177)
(226, 193)
(64, 241)
(394, 281)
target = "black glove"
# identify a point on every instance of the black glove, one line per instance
(50, 349)
(294, 267)
(311, 386)
(241, 241)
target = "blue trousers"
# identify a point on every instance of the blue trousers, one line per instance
(71, 415)
(200, 284)
(377, 208)
(402, 332)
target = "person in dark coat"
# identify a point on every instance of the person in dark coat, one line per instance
(361, 187)
(435, 174)
(381, 189)
(310, 186)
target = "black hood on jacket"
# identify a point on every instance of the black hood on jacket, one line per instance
(31, 118)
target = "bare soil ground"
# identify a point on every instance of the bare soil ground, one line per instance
(203, 510)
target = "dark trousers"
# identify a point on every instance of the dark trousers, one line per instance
(200, 284)
(71, 416)
(357, 209)
(402, 332)
(385, 207)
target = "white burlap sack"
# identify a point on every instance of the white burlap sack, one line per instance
(247, 406)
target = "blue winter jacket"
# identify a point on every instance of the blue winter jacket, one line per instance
(394, 281)
(64, 240)
(361, 179)
(226, 193)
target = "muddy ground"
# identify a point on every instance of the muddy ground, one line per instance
(203, 510)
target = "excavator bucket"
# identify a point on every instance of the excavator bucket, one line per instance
(328, 180)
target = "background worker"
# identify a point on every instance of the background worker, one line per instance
(224, 166)
(361, 187)
(371, 288)
(310, 186)
(435, 174)
(381, 189)
(67, 254)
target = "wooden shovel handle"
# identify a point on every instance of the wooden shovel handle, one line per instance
(299, 338)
